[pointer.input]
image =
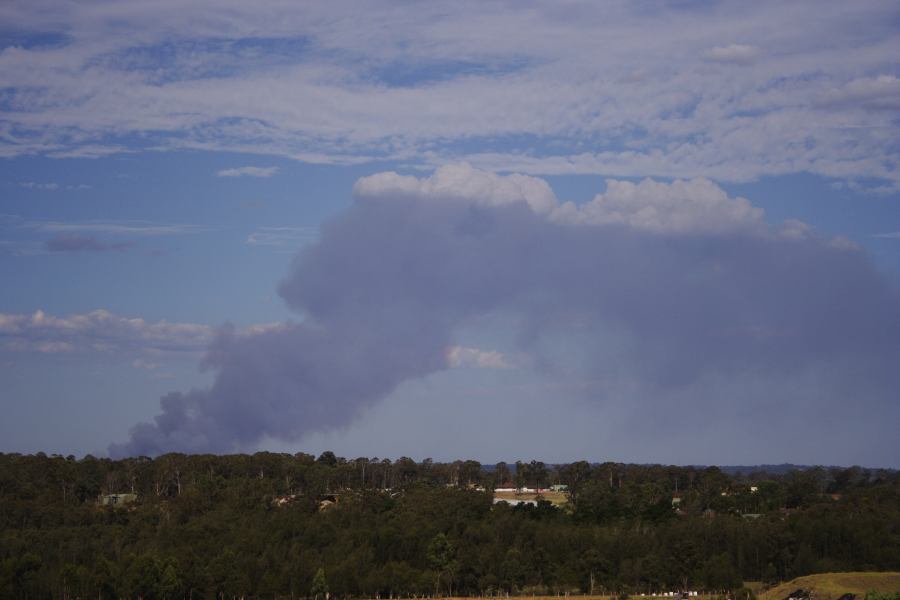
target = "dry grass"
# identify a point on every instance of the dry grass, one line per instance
(558, 498)
(832, 585)
(572, 597)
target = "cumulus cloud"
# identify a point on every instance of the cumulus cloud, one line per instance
(739, 54)
(695, 206)
(99, 331)
(461, 182)
(665, 322)
(248, 172)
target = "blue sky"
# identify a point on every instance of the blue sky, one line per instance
(162, 164)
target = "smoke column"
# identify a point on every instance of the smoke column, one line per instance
(700, 286)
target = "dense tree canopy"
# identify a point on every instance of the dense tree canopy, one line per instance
(299, 526)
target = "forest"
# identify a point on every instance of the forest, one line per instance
(291, 526)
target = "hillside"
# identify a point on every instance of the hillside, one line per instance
(832, 585)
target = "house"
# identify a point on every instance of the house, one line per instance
(559, 488)
(327, 501)
(116, 499)
(283, 500)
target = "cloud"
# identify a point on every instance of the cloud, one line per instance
(739, 54)
(695, 206)
(133, 228)
(890, 235)
(51, 186)
(99, 331)
(874, 93)
(461, 182)
(21, 248)
(80, 243)
(282, 237)
(248, 171)
(33, 185)
(660, 327)
(140, 363)
(616, 92)
(464, 357)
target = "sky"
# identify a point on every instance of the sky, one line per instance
(655, 232)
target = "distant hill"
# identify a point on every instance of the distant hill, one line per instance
(731, 470)
(784, 468)
(787, 468)
(770, 469)
(833, 585)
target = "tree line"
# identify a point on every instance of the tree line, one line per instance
(258, 526)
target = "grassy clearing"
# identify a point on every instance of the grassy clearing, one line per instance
(558, 498)
(575, 597)
(832, 585)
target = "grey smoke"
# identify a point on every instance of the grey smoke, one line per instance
(393, 280)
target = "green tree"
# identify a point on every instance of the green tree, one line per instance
(319, 587)
(441, 554)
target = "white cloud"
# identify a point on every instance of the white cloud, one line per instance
(34, 185)
(879, 93)
(739, 54)
(459, 357)
(248, 171)
(794, 229)
(102, 332)
(133, 228)
(841, 242)
(461, 182)
(892, 235)
(99, 330)
(615, 91)
(695, 206)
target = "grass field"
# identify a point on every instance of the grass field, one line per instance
(569, 597)
(829, 586)
(825, 586)
(558, 498)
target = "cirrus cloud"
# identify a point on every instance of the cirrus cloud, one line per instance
(617, 91)
(248, 172)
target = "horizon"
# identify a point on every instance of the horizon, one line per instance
(633, 231)
(772, 469)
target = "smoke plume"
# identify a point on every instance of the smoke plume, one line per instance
(673, 285)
